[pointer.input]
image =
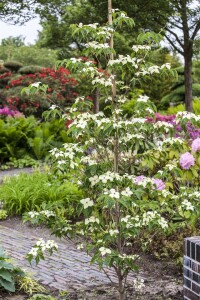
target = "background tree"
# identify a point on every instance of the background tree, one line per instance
(181, 31)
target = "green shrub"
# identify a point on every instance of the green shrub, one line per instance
(27, 137)
(12, 65)
(4, 70)
(3, 214)
(178, 95)
(8, 273)
(29, 55)
(181, 107)
(27, 192)
(30, 69)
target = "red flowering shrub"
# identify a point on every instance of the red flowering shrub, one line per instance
(60, 92)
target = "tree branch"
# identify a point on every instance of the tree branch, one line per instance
(176, 37)
(197, 28)
(173, 45)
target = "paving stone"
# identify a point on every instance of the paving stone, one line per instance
(67, 269)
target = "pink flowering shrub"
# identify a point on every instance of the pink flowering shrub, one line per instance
(190, 132)
(143, 180)
(6, 111)
(187, 160)
(196, 145)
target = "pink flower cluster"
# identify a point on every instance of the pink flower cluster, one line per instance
(187, 160)
(6, 111)
(160, 185)
(196, 145)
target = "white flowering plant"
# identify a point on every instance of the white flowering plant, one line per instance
(128, 168)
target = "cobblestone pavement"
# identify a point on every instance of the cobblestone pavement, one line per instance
(13, 172)
(67, 269)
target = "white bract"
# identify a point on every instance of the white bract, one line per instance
(36, 84)
(87, 202)
(104, 251)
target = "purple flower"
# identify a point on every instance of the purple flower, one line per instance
(160, 185)
(139, 179)
(6, 111)
(186, 161)
(196, 145)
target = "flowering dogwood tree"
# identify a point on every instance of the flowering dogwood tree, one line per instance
(128, 168)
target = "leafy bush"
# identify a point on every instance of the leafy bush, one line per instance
(29, 55)
(178, 95)
(60, 90)
(30, 69)
(181, 107)
(13, 65)
(3, 214)
(28, 138)
(23, 193)
(3, 70)
(8, 273)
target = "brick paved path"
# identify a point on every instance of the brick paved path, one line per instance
(68, 269)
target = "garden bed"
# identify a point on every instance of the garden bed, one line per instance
(163, 280)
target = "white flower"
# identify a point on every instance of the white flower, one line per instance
(127, 192)
(36, 84)
(143, 98)
(104, 251)
(114, 194)
(162, 222)
(50, 244)
(61, 162)
(187, 205)
(91, 220)
(136, 48)
(113, 232)
(34, 251)
(33, 214)
(87, 202)
(94, 180)
(47, 213)
(53, 107)
(125, 219)
(80, 247)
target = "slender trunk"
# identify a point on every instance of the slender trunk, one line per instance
(96, 93)
(96, 100)
(187, 53)
(188, 80)
(121, 287)
(110, 22)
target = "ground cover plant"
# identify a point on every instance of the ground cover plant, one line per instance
(139, 180)
(39, 192)
(9, 274)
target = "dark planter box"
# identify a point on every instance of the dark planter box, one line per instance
(191, 288)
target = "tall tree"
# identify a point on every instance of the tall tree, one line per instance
(183, 28)
(16, 11)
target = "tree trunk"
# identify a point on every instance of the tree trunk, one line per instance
(96, 100)
(188, 80)
(121, 287)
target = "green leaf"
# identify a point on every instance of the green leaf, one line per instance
(8, 286)
(6, 275)
(4, 264)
